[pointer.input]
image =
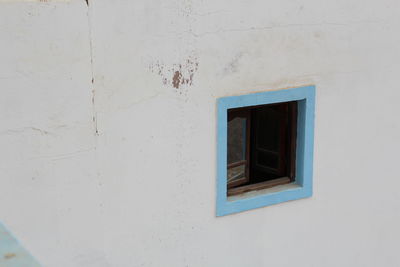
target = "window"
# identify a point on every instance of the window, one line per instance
(261, 146)
(264, 148)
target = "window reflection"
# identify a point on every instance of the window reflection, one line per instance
(236, 139)
(237, 162)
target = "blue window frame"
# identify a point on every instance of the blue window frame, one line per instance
(302, 186)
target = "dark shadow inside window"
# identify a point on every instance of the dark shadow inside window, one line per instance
(261, 146)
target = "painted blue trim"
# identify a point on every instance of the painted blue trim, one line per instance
(12, 254)
(304, 154)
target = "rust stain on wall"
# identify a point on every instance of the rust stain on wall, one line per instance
(176, 75)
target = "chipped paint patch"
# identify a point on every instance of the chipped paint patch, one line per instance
(12, 254)
(176, 75)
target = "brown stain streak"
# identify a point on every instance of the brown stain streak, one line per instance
(176, 79)
(8, 256)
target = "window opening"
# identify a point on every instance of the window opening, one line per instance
(261, 148)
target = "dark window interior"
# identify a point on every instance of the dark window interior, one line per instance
(261, 146)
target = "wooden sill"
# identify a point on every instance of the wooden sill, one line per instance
(258, 186)
(238, 163)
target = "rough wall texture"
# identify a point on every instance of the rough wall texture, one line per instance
(107, 130)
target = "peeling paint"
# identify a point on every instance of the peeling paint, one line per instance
(176, 75)
(176, 79)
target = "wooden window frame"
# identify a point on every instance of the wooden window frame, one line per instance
(287, 147)
(242, 114)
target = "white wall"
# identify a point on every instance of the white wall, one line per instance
(141, 191)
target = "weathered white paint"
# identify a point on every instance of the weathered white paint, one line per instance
(141, 191)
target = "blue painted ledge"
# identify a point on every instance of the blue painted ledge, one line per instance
(12, 254)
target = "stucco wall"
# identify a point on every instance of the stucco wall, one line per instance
(108, 130)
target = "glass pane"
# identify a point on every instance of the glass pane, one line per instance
(236, 173)
(236, 140)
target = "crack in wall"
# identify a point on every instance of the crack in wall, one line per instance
(63, 155)
(25, 129)
(271, 27)
(93, 91)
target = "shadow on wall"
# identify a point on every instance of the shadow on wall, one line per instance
(12, 254)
